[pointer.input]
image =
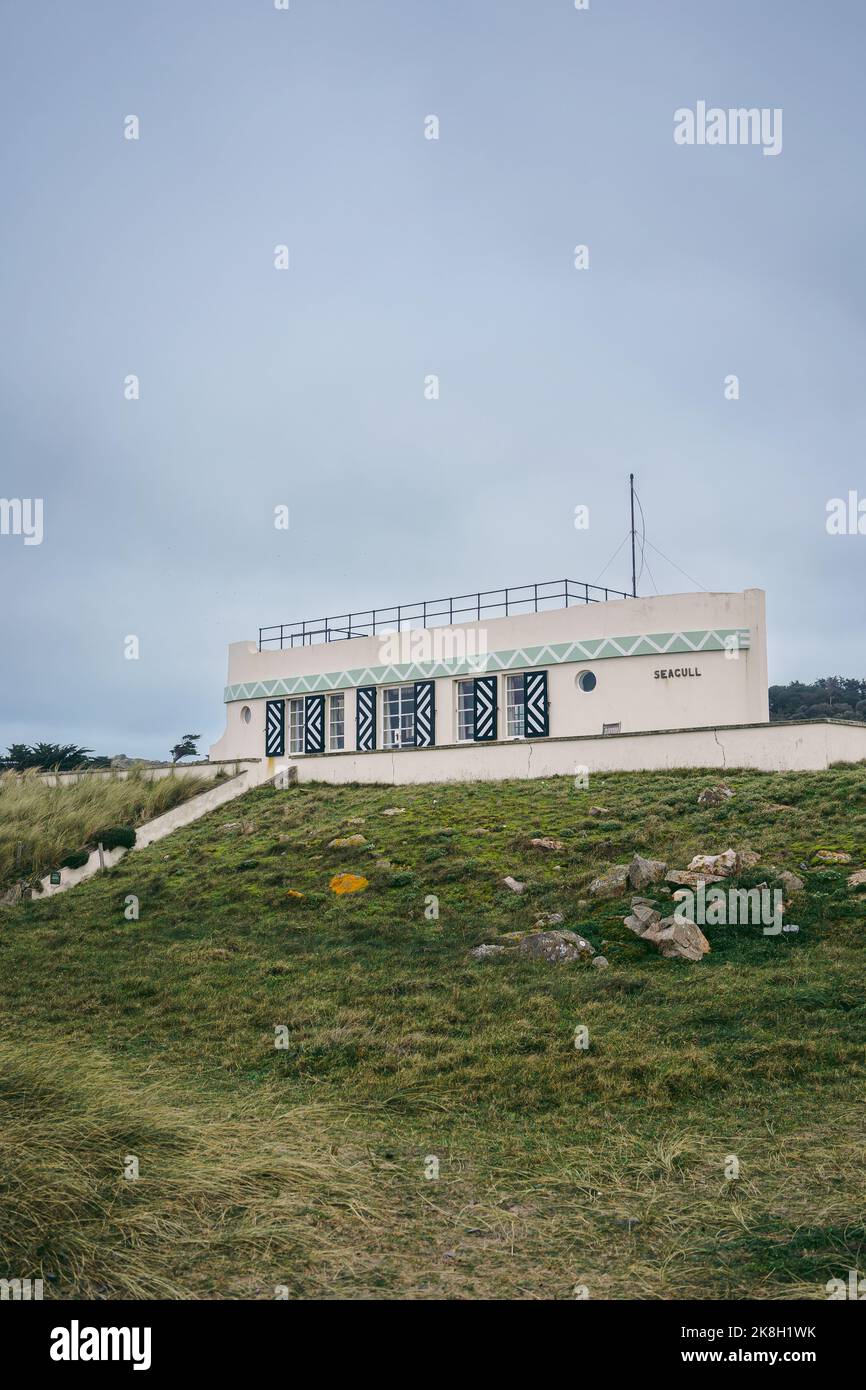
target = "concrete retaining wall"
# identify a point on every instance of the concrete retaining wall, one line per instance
(206, 771)
(784, 747)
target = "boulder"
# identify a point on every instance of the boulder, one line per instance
(549, 919)
(715, 796)
(642, 872)
(644, 902)
(599, 811)
(792, 883)
(642, 919)
(486, 951)
(687, 878)
(724, 863)
(348, 883)
(347, 841)
(746, 859)
(545, 843)
(513, 884)
(683, 940)
(833, 856)
(855, 880)
(555, 946)
(600, 962)
(612, 884)
(394, 811)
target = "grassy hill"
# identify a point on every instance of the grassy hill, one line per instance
(304, 1166)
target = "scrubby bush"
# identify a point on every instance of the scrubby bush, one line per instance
(115, 837)
(76, 860)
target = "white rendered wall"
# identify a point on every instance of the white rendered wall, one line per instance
(801, 747)
(726, 691)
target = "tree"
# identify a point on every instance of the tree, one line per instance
(186, 748)
(49, 757)
(831, 697)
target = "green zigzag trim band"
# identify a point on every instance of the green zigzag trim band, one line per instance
(555, 654)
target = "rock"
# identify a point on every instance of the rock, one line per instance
(599, 811)
(486, 951)
(348, 883)
(746, 859)
(643, 902)
(513, 884)
(724, 863)
(715, 796)
(833, 856)
(383, 864)
(642, 919)
(346, 841)
(681, 939)
(686, 878)
(548, 919)
(230, 825)
(394, 811)
(354, 820)
(600, 962)
(855, 880)
(555, 946)
(644, 871)
(547, 844)
(612, 884)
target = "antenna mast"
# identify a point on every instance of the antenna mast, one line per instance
(633, 579)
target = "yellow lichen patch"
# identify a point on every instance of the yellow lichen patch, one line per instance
(348, 883)
(293, 893)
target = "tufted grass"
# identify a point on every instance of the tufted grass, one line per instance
(41, 824)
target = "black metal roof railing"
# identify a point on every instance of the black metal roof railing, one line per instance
(498, 603)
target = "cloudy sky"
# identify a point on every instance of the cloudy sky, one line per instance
(410, 256)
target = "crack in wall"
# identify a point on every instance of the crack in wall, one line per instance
(721, 746)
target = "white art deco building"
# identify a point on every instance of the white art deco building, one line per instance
(529, 681)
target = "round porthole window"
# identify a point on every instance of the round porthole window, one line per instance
(586, 681)
(246, 714)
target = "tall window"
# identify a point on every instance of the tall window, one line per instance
(515, 707)
(296, 726)
(465, 711)
(398, 717)
(336, 723)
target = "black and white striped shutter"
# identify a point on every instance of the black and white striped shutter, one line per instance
(275, 728)
(425, 714)
(314, 723)
(535, 696)
(485, 708)
(365, 718)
